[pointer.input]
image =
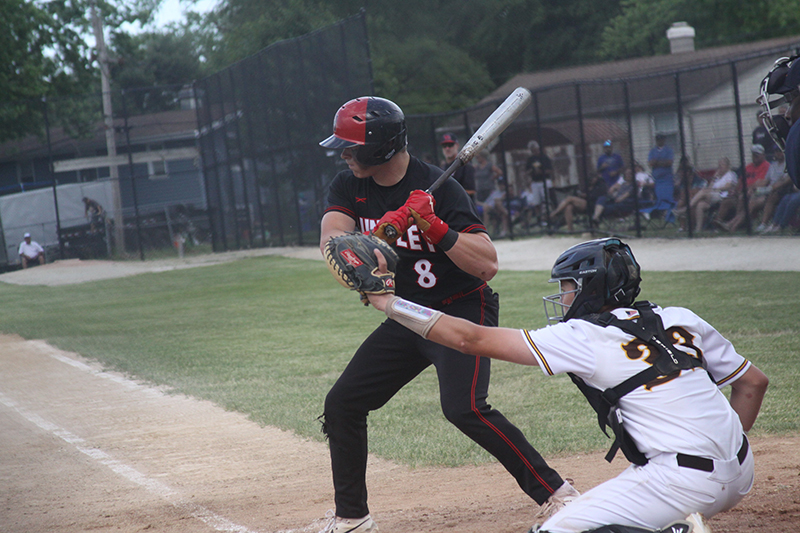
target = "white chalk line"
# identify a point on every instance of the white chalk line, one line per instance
(155, 487)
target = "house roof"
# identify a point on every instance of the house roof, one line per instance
(155, 127)
(643, 66)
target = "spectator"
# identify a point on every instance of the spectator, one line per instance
(722, 184)
(778, 188)
(580, 203)
(486, 173)
(30, 251)
(786, 212)
(464, 175)
(687, 176)
(761, 136)
(610, 164)
(94, 212)
(619, 198)
(539, 170)
(660, 160)
(645, 184)
(494, 208)
(755, 177)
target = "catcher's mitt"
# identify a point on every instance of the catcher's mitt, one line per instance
(351, 259)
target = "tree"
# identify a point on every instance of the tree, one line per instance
(44, 53)
(639, 30)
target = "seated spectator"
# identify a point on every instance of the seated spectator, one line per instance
(494, 208)
(778, 188)
(645, 183)
(760, 192)
(619, 198)
(687, 176)
(721, 185)
(30, 251)
(755, 174)
(486, 173)
(785, 212)
(580, 203)
(532, 202)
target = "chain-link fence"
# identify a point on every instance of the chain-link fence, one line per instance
(228, 162)
(260, 122)
(704, 114)
(232, 161)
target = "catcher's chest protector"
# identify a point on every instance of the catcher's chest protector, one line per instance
(650, 330)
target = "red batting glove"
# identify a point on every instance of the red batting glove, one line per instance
(399, 219)
(421, 202)
(434, 230)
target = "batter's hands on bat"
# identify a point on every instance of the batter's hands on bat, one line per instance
(399, 219)
(420, 204)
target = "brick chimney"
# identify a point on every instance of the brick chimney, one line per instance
(681, 38)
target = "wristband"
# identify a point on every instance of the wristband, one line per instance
(415, 317)
(449, 239)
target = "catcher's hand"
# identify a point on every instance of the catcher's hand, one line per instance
(352, 261)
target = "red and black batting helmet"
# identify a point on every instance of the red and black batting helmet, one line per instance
(376, 125)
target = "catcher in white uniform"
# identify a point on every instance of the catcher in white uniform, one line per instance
(686, 440)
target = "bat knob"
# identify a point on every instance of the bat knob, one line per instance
(390, 231)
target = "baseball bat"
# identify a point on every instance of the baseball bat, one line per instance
(493, 126)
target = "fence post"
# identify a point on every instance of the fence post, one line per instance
(132, 176)
(541, 148)
(632, 156)
(737, 103)
(245, 196)
(684, 179)
(204, 166)
(53, 177)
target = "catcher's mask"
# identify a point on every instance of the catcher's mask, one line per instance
(375, 125)
(779, 87)
(605, 272)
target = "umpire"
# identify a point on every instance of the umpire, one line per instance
(444, 267)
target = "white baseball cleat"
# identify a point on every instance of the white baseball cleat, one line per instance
(565, 494)
(350, 525)
(698, 523)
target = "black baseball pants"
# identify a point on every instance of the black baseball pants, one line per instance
(389, 359)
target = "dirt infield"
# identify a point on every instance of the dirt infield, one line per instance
(83, 449)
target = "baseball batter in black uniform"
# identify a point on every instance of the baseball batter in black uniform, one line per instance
(446, 267)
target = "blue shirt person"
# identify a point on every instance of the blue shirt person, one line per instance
(609, 164)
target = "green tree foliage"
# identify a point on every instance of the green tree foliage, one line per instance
(152, 67)
(640, 28)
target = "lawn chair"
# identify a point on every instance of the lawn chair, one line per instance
(664, 203)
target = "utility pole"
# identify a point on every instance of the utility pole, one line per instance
(108, 119)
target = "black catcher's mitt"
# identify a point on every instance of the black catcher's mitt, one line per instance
(351, 259)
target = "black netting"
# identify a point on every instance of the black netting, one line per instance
(260, 124)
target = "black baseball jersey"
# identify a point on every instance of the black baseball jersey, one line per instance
(425, 274)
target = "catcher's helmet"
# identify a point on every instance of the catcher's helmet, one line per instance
(606, 273)
(376, 125)
(780, 86)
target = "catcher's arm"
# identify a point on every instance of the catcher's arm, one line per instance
(498, 343)
(747, 392)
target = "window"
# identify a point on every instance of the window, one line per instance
(667, 124)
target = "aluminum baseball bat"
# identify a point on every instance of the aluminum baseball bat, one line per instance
(491, 128)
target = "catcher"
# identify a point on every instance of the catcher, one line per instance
(646, 372)
(444, 259)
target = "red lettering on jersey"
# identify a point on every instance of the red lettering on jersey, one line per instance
(351, 258)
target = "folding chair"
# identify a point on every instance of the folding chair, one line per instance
(664, 203)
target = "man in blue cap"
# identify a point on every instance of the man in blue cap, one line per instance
(609, 164)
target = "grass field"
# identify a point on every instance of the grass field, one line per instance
(268, 337)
